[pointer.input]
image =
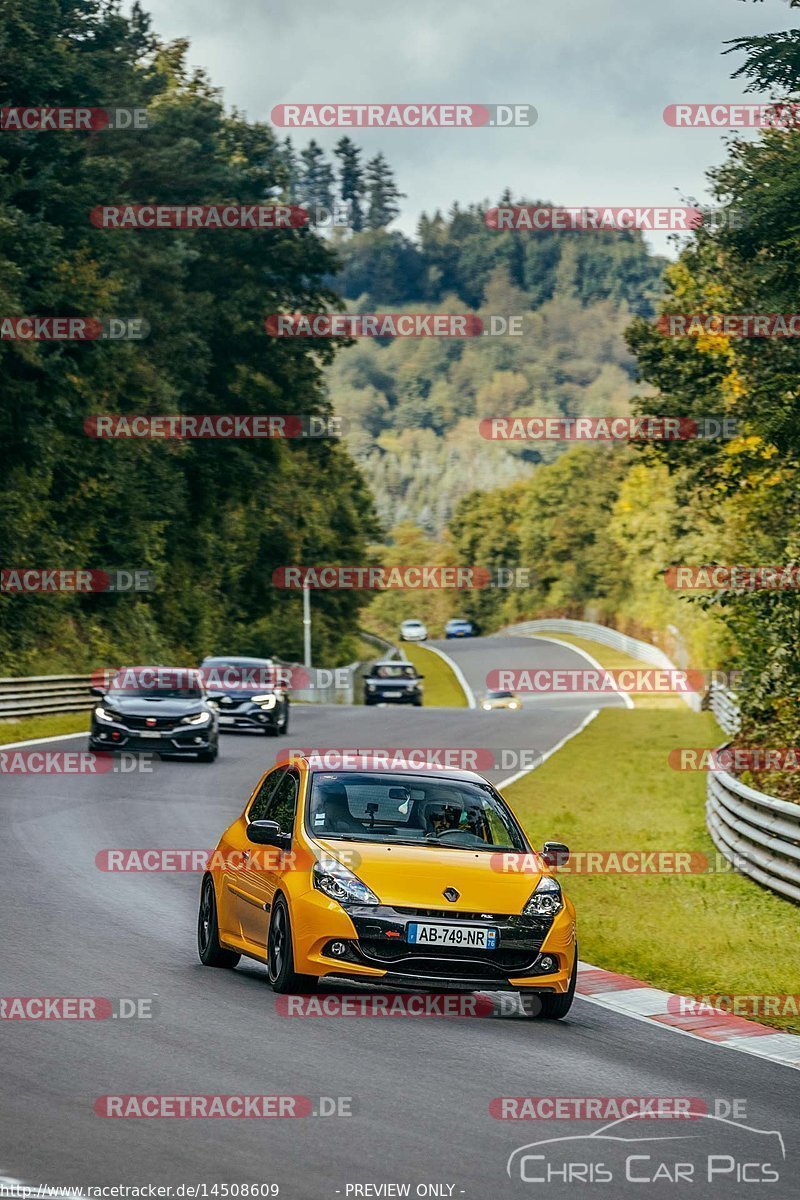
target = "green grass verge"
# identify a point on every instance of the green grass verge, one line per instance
(611, 788)
(48, 725)
(442, 689)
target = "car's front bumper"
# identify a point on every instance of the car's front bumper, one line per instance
(366, 945)
(186, 740)
(249, 718)
(406, 696)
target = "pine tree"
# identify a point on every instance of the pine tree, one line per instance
(316, 177)
(383, 193)
(291, 169)
(351, 180)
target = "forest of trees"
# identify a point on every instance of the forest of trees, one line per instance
(210, 519)
(600, 526)
(413, 405)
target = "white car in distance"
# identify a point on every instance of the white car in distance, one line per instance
(413, 631)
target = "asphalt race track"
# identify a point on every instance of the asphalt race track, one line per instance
(420, 1088)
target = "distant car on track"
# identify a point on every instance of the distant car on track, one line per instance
(457, 628)
(390, 878)
(248, 693)
(160, 709)
(393, 681)
(500, 700)
(413, 631)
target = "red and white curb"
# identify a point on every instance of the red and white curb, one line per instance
(624, 994)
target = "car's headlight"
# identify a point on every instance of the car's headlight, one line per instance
(104, 714)
(546, 900)
(513, 704)
(338, 882)
(201, 718)
(370, 687)
(265, 701)
(487, 707)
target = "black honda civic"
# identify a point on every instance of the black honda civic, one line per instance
(161, 709)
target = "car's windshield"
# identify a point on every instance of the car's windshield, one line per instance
(395, 671)
(157, 683)
(241, 674)
(418, 809)
(500, 695)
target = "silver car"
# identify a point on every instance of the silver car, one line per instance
(413, 631)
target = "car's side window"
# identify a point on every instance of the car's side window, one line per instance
(282, 803)
(258, 809)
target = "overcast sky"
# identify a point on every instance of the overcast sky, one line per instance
(599, 72)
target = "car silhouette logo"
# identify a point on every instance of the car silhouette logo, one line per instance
(149, 720)
(451, 894)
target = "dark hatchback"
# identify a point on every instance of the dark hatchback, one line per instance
(248, 694)
(393, 682)
(163, 710)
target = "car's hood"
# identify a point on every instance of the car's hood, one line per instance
(416, 876)
(138, 706)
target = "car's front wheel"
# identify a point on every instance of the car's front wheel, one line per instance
(280, 954)
(208, 756)
(208, 947)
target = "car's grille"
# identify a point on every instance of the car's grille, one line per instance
(450, 915)
(450, 961)
(147, 722)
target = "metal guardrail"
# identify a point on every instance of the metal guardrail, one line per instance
(386, 647)
(757, 834)
(725, 707)
(27, 696)
(33, 695)
(606, 636)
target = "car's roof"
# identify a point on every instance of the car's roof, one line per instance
(159, 667)
(459, 621)
(412, 621)
(369, 762)
(392, 662)
(241, 658)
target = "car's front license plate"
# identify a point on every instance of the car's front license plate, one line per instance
(227, 720)
(477, 937)
(392, 695)
(150, 733)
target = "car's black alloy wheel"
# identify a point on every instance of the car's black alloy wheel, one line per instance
(280, 956)
(208, 947)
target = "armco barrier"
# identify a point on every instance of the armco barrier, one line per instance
(759, 835)
(25, 697)
(642, 651)
(29, 696)
(723, 704)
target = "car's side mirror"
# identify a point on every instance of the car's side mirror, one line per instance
(268, 833)
(420, 676)
(555, 854)
(96, 691)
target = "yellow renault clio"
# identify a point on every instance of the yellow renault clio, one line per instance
(410, 878)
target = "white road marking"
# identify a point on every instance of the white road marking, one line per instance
(567, 738)
(546, 637)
